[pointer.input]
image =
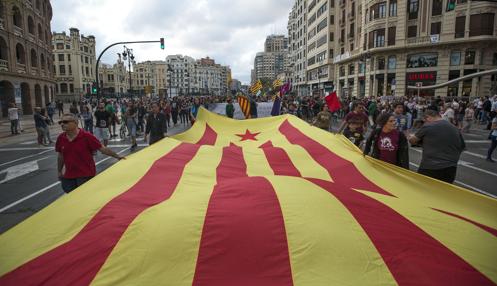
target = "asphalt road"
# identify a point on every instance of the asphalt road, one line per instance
(28, 175)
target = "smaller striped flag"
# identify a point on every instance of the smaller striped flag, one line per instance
(256, 87)
(277, 83)
(244, 103)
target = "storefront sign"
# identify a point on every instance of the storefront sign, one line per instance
(422, 76)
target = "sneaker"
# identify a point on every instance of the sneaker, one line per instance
(490, 160)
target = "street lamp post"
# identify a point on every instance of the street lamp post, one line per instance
(128, 55)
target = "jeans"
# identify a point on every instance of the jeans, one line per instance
(447, 174)
(13, 126)
(69, 185)
(493, 145)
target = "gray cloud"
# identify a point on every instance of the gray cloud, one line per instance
(231, 32)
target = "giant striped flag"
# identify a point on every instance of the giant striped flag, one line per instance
(244, 104)
(271, 201)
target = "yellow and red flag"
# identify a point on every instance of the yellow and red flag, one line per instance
(256, 87)
(271, 201)
(244, 104)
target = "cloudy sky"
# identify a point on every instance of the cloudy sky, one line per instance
(231, 32)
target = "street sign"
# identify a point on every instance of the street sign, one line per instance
(419, 84)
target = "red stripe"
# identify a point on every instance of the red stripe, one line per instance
(77, 261)
(279, 161)
(488, 229)
(209, 137)
(342, 171)
(413, 256)
(243, 239)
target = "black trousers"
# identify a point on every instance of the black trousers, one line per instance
(69, 185)
(447, 174)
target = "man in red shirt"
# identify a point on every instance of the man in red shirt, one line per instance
(76, 147)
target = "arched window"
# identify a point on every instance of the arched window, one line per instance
(20, 55)
(37, 4)
(34, 58)
(63, 88)
(16, 16)
(1, 10)
(47, 37)
(3, 50)
(42, 61)
(31, 25)
(40, 33)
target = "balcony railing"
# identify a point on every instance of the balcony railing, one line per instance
(418, 40)
(2, 25)
(18, 31)
(34, 70)
(21, 68)
(4, 65)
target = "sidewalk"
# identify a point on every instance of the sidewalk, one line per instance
(29, 130)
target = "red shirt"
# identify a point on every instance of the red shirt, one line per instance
(356, 121)
(78, 154)
(388, 144)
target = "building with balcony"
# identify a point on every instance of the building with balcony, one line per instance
(151, 78)
(180, 73)
(74, 62)
(25, 55)
(297, 47)
(210, 78)
(389, 45)
(274, 60)
(113, 79)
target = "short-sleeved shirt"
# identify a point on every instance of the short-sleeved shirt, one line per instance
(442, 145)
(102, 117)
(401, 122)
(388, 144)
(356, 121)
(13, 113)
(39, 121)
(78, 154)
(494, 132)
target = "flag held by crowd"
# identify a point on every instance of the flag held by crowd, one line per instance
(270, 201)
(256, 87)
(244, 104)
(333, 102)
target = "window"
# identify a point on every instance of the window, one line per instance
(87, 71)
(86, 60)
(379, 36)
(469, 58)
(392, 62)
(381, 63)
(422, 60)
(71, 87)
(391, 35)
(31, 25)
(436, 28)
(351, 69)
(61, 57)
(321, 41)
(460, 26)
(455, 58)
(85, 48)
(322, 25)
(68, 57)
(321, 10)
(68, 47)
(60, 46)
(70, 69)
(481, 24)
(378, 11)
(34, 58)
(16, 17)
(412, 31)
(413, 6)
(436, 7)
(62, 70)
(494, 60)
(393, 8)
(63, 88)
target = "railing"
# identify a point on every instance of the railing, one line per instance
(2, 25)
(4, 65)
(34, 70)
(21, 68)
(18, 31)
(31, 37)
(418, 40)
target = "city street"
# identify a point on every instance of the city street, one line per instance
(28, 174)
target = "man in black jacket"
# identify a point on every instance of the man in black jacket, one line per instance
(156, 125)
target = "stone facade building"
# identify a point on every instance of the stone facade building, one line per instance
(114, 79)
(297, 46)
(74, 62)
(25, 55)
(274, 60)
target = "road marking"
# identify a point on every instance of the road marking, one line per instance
(20, 170)
(26, 149)
(466, 186)
(48, 187)
(477, 141)
(26, 157)
(475, 154)
(28, 142)
(468, 164)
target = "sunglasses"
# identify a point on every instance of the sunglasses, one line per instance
(65, 121)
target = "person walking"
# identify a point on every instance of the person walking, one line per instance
(442, 145)
(355, 124)
(493, 140)
(102, 129)
(131, 117)
(230, 109)
(75, 148)
(387, 143)
(469, 114)
(323, 118)
(156, 125)
(87, 119)
(13, 112)
(41, 125)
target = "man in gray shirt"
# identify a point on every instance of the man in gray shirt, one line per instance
(442, 146)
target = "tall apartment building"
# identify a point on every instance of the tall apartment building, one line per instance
(73, 64)
(210, 78)
(320, 45)
(25, 55)
(274, 60)
(385, 46)
(297, 46)
(180, 72)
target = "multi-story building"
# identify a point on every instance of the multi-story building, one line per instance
(114, 79)
(210, 78)
(274, 60)
(151, 78)
(25, 55)
(320, 45)
(180, 73)
(297, 37)
(73, 64)
(386, 46)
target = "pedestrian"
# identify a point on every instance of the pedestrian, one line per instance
(50, 112)
(40, 125)
(493, 139)
(156, 125)
(469, 114)
(131, 117)
(401, 120)
(87, 119)
(230, 109)
(194, 110)
(323, 118)
(13, 112)
(355, 123)
(102, 130)
(75, 148)
(442, 146)
(174, 111)
(113, 117)
(387, 143)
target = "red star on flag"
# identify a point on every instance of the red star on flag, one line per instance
(248, 136)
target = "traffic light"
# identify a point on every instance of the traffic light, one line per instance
(451, 5)
(162, 43)
(93, 88)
